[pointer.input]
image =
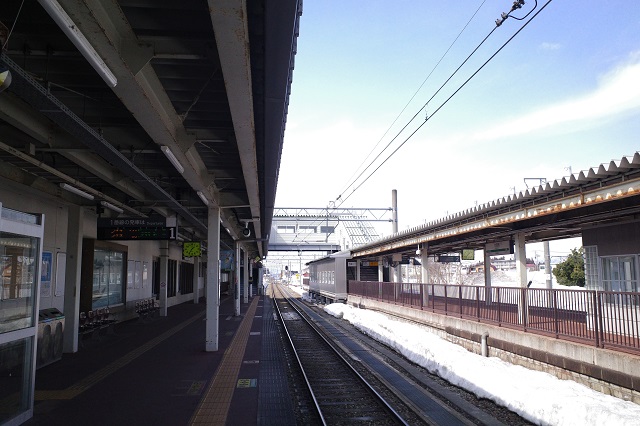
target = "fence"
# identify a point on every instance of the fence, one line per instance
(602, 318)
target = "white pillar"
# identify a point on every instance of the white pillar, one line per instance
(72, 278)
(521, 273)
(245, 275)
(196, 279)
(487, 277)
(394, 211)
(396, 275)
(487, 269)
(237, 279)
(164, 276)
(212, 284)
(380, 269)
(251, 277)
(547, 264)
(424, 258)
(521, 259)
(260, 281)
(357, 269)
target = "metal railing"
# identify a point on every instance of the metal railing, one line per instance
(602, 318)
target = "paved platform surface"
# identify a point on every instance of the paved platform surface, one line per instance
(156, 371)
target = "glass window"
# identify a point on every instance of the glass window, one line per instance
(172, 283)
(15, 378)
(591, 267)
(108, 278)
(619, 273)
(19, 267)
(186, 272)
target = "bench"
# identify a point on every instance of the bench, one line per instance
(146, 307)
(92, 322)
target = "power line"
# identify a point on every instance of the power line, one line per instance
(416, 114)
(505, 16)
(448, 99)
(407, 104)
(516, 5)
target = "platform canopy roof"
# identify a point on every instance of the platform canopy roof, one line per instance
(104, 93)
(605, 195)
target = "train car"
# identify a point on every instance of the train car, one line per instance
(329, 276)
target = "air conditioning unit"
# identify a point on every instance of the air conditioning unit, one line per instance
(50, 334)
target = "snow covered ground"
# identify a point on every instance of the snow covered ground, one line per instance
(509, 278)
(537, 396)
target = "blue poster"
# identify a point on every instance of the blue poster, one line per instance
(45, 274)
(227, 261)
(47, 261)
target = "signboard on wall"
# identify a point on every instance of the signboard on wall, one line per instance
(135, 228)
(468, 254)
(122, 234)
(131, 222)
(448, 259)
(227, 260)
(45, 275)
(500, 247)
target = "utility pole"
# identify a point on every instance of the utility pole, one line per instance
(547, 264)
(394, 213)
(394, 210)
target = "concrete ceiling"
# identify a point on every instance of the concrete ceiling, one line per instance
(210, 80)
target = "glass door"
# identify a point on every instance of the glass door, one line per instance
(20, 261)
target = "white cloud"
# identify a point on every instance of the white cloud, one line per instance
(321, 161)
(550, 46)
(617, 94)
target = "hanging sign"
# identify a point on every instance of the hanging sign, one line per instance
(500, 247)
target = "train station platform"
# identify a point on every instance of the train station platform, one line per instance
(155, 371)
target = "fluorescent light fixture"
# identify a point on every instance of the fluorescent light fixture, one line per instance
(76, 191)
(203, 198)
(65, 23)
(172, 158)
(111, 206)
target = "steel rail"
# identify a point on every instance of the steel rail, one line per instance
(368, 386)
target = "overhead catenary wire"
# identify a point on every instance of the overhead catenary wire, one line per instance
(409, 101)
(396, 119)
(505, 16)
(447, 100)
(525, 16)
(4, 46)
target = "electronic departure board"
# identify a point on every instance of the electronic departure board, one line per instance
(135, 229)
(142, 233)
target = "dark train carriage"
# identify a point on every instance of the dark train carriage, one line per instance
(328, 277)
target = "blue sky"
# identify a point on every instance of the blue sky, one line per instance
(565, 92)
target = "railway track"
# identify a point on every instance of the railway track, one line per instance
(420, 397)
(341, 396)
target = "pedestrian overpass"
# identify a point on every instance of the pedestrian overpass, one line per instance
(325, 230)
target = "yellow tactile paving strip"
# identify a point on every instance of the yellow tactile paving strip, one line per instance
(214, 407)
(84, 384)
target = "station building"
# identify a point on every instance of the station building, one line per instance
(139, 144)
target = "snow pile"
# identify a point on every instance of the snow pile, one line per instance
(537, 396)
(509, 278)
